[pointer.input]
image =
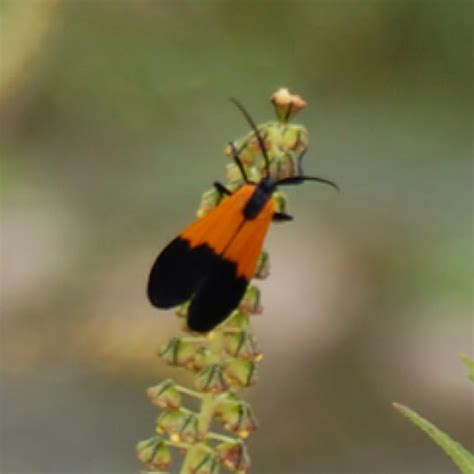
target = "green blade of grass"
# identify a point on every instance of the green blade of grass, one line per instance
(463, 459)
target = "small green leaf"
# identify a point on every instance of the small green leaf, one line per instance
(460, 456)
(469, 363)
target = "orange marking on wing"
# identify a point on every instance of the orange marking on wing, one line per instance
(219, 227)
(247, 244)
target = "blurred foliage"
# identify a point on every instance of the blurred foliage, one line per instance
(469, 363)
(460, 456)
(463, 459)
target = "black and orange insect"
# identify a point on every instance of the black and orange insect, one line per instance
(212, 261)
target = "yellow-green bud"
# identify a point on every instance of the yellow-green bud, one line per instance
(250, 303)
(179, 352)
(233, 174)
(247, 153)
(204, 358)
(242, 373)
(279, 201)
(209, 200)
(294, 138)
(233, 455)
(262, 269)
(238, 320)
(211, 379)
(241, 344)
(236, 416)
(180, 425)
(285, 166)
(154, 453)
(201, 460)
(235, 178)
(165, 395)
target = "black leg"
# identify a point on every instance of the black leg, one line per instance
(282, 217)
(221, 189)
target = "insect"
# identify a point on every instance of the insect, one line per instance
(212, 261)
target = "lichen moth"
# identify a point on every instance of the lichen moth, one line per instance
(212, 261)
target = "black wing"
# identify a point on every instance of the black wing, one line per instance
(182, 272)
(177, 272)
(216, 297)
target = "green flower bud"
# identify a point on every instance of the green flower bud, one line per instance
(233, 175)
(154, 453)
(233, 455)
(165, 395)
(274, 168)
(254, 175)
(204, 358)
(294, 138)
(179, 352)
(235, 178)
(180, 425)
(250, 303)
(236, 416)
(238, 320)
(242, 344)
(229, 396)
(285, 166)
(209, 200)
(247, 152)
(242, 373)
(211, 379)
(201, 460)
(279, 201)
(262, 269)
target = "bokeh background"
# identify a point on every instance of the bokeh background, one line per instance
(114, 116)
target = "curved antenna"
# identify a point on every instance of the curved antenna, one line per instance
(238, 162)
(261, 143)
(294, 180)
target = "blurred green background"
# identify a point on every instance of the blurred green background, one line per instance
(114, 116)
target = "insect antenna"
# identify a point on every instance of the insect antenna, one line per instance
(238, 162)
(294, 180)
(257, 134)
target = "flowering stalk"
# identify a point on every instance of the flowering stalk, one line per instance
(226, 359)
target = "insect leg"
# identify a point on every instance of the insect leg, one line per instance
(221, 189)
(281, 217)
